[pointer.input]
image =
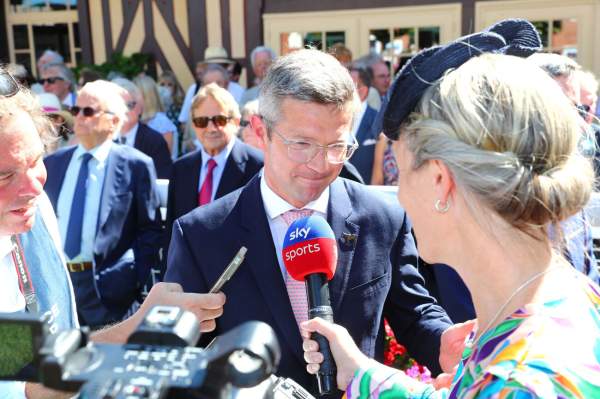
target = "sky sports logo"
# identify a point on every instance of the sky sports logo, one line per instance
(309, 242)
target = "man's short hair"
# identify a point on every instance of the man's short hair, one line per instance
(363, 75)
(63, 71)
(306, 75)
(366, 62)
(109, 94)
(555, 64)
(222, 97)
(261, 49)
(217, 68)
(52, 56)
(130, 87)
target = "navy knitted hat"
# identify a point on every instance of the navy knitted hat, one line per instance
(516, 37)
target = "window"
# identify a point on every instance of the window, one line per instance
(20, 6)
(36, 25)
(559, 36)
(397, 45)
(294, 40)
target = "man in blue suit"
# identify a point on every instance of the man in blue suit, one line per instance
(106, 202)
(235, 162)
(307, 103)
(361, 129)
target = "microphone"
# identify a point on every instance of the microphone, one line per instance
(310, 254)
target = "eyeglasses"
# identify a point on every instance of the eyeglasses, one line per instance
(305, 151)
(51, 80)
(244, 123)
(86, 111)
(217, 120)
(8, 85)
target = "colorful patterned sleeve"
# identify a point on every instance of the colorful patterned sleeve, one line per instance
(380, 382)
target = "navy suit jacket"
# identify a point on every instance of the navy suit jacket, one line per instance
(375, 274)
(153, 144)
(128, 219)
(364, 155)
(242, 164)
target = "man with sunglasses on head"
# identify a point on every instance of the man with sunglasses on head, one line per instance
(222, 164)
(106, 202)
(59, 80)
(307, 103)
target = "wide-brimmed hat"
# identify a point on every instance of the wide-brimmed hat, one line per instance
(216, 55)
(51, 105)
(516, 37)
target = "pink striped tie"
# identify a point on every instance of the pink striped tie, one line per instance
(297, 289)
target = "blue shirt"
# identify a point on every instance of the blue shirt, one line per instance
(95, 182)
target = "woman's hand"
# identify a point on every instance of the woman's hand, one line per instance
(346, 354)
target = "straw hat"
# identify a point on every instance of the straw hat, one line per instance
(216, 55)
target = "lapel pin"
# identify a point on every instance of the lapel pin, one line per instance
(349, 239)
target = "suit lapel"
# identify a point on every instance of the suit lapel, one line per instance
(233, 173)
(139, 137)
(113, 178)
(346, 229)
(189, 186)
(265, 266)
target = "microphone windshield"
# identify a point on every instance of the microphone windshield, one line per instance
(309, 247)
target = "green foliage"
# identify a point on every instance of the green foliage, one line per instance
(128, 66)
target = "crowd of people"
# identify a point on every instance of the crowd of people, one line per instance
(491, 143)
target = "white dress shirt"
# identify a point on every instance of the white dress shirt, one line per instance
(221, 160)
(95, 182)
(12, 298)
(275, 206)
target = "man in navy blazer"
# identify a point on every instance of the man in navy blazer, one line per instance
(306, 106)
(119, 233)
(139, 135)
(216, 118)
(364, 155)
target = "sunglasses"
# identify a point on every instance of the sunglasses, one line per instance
(217, 120)
(51, 81)
(8, 85)
(244, 123)
(86, 111)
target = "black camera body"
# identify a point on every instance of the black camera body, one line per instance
(158, 361)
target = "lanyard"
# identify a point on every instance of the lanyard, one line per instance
(25, 283)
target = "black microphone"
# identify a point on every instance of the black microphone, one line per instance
(310, 254)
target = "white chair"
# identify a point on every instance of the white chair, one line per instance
(163, 192)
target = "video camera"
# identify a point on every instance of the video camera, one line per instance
(158, 361)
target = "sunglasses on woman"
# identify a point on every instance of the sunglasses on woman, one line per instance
(217, 120)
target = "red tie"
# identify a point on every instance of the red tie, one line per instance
(205, 193)
(297, 289)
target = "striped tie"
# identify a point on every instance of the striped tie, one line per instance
(297, 289)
